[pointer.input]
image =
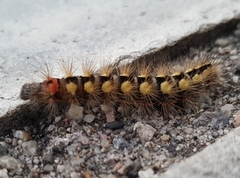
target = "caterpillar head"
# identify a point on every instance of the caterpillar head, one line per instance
(29, 89)
(47, 88)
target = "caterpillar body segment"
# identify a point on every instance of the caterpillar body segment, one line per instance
(142, 88)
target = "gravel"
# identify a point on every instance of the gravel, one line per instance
(132, 147)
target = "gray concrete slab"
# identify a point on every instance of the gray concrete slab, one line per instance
(32, 32)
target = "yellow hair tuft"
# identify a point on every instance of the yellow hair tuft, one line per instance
(107, 87)
(72, 88)
(184, 84)
(166, 87)
(145, 88)
(197, 78)
(89, 87)
(126, 87)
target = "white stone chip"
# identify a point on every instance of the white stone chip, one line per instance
(144, 131)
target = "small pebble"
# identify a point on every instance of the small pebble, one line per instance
(222, 42)
(75, 112)
(51, 128)
(171, 148)
(48, 168)
(201, 121)
(188, 131)
(57, 150)
(49, 158)
(84, 140)
(97, 150)
(227, 107)
(235, 79)
(4, 173)
(232, 52)
(8, 140)
(115, 125)
(117, 166)
(8, 162)
(146, 173)
(88, 129)
(76, 175)
(109, 112)
(232, 99)
(36, 160)
(105, 143)
(95, 109)
(3, 150)
(34, 174)
(226, 131)
(235, 57)
(60, 168)
(58, 119)
(77, 161)
(146, 153)
(145, 132)
(62, 141)
(89, 118)
(30, 147)
(86, 174)
(237, 33)
(119, 143)
(215, 134)
(165, 138)
(125, 168)
(22, 135)
(61, 131)
(75, 126)
(179, 138)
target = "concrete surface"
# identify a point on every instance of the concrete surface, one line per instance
(35, 31)
(32, 32)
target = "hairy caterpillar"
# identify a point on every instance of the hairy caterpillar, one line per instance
(142, 88)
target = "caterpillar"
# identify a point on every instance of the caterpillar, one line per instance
(144, 88)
